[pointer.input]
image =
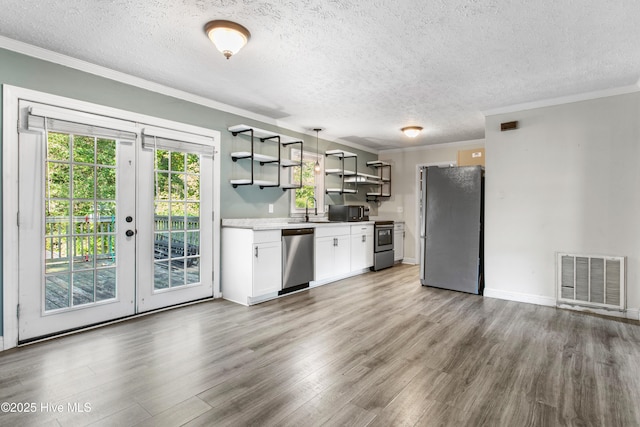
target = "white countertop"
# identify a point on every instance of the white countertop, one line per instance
(283, 223)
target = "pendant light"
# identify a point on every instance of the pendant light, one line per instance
(316, 168)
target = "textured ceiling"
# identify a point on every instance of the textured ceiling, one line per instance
(359, 69)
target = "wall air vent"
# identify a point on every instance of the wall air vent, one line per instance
(591, 281)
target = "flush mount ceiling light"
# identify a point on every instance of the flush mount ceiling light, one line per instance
(228, 36)
(411, 131)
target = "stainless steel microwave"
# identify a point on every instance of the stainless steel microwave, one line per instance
(348, 213)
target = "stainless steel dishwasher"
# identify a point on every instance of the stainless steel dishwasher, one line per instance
(297, 259)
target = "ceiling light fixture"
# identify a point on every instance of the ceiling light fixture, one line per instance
(316, 168)
(228, 36)
(411, 131)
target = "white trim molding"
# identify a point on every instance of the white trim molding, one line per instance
(630, 313)
(10, 289)
(459, 144)
(100, 71)
(564, 100)
(633, 313)
(11, 97)
(519, 297)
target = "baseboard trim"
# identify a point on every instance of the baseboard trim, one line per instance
(261, 298)
(2, 344)
(332, 279)
(633, 313)
(519, 297)
(630, 313)
(411, 261)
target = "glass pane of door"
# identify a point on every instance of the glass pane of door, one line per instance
(80, 217)
(176, 219)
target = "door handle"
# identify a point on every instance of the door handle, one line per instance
(129, 233)
(256, 252)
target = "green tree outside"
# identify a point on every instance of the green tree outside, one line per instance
(308, 190)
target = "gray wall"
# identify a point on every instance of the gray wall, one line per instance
(243, 202)
(566, 180)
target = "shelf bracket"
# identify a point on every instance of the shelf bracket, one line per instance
(235, 133)
(285, 144)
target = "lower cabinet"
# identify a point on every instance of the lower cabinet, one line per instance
(361, 247)
(267, 268)
(398, 241)
(251, 264)
(251, 269)
(332, 252)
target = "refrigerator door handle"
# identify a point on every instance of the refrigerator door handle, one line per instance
(423, 224)
(422, 261)
(423, 210)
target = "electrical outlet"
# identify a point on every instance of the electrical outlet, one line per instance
(270, 207)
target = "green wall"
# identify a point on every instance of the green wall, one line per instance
(243, 202)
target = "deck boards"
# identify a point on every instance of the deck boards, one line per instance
(376, 349)
(58, 295)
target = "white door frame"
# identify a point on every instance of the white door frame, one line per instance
(11, 95)
(35, 320)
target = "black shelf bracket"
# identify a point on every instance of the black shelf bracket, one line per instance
(235, 133)
(383, 182)
(342, 156)
(285, 144)
(269, 138)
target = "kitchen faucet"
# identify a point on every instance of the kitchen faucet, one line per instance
(306, 208)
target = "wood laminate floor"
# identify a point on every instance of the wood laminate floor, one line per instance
(373, 350)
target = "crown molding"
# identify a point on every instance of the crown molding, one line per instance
(108, 73)
(470, 143)
(564, 100)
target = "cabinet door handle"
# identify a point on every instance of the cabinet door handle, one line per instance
(335, 242)
(364, 238)
(256, 252)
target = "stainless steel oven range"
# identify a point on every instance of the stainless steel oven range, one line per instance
(382, 245)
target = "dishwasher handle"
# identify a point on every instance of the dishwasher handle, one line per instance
(296, 231)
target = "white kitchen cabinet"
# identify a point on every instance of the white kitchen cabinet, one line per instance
(251, 264)
(361, 247)
(398, 241)
(267, 268)
(332, 252)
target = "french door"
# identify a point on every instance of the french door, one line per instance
(108, 226)
(175, 263)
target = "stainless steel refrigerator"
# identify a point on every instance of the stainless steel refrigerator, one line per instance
(451, 231)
